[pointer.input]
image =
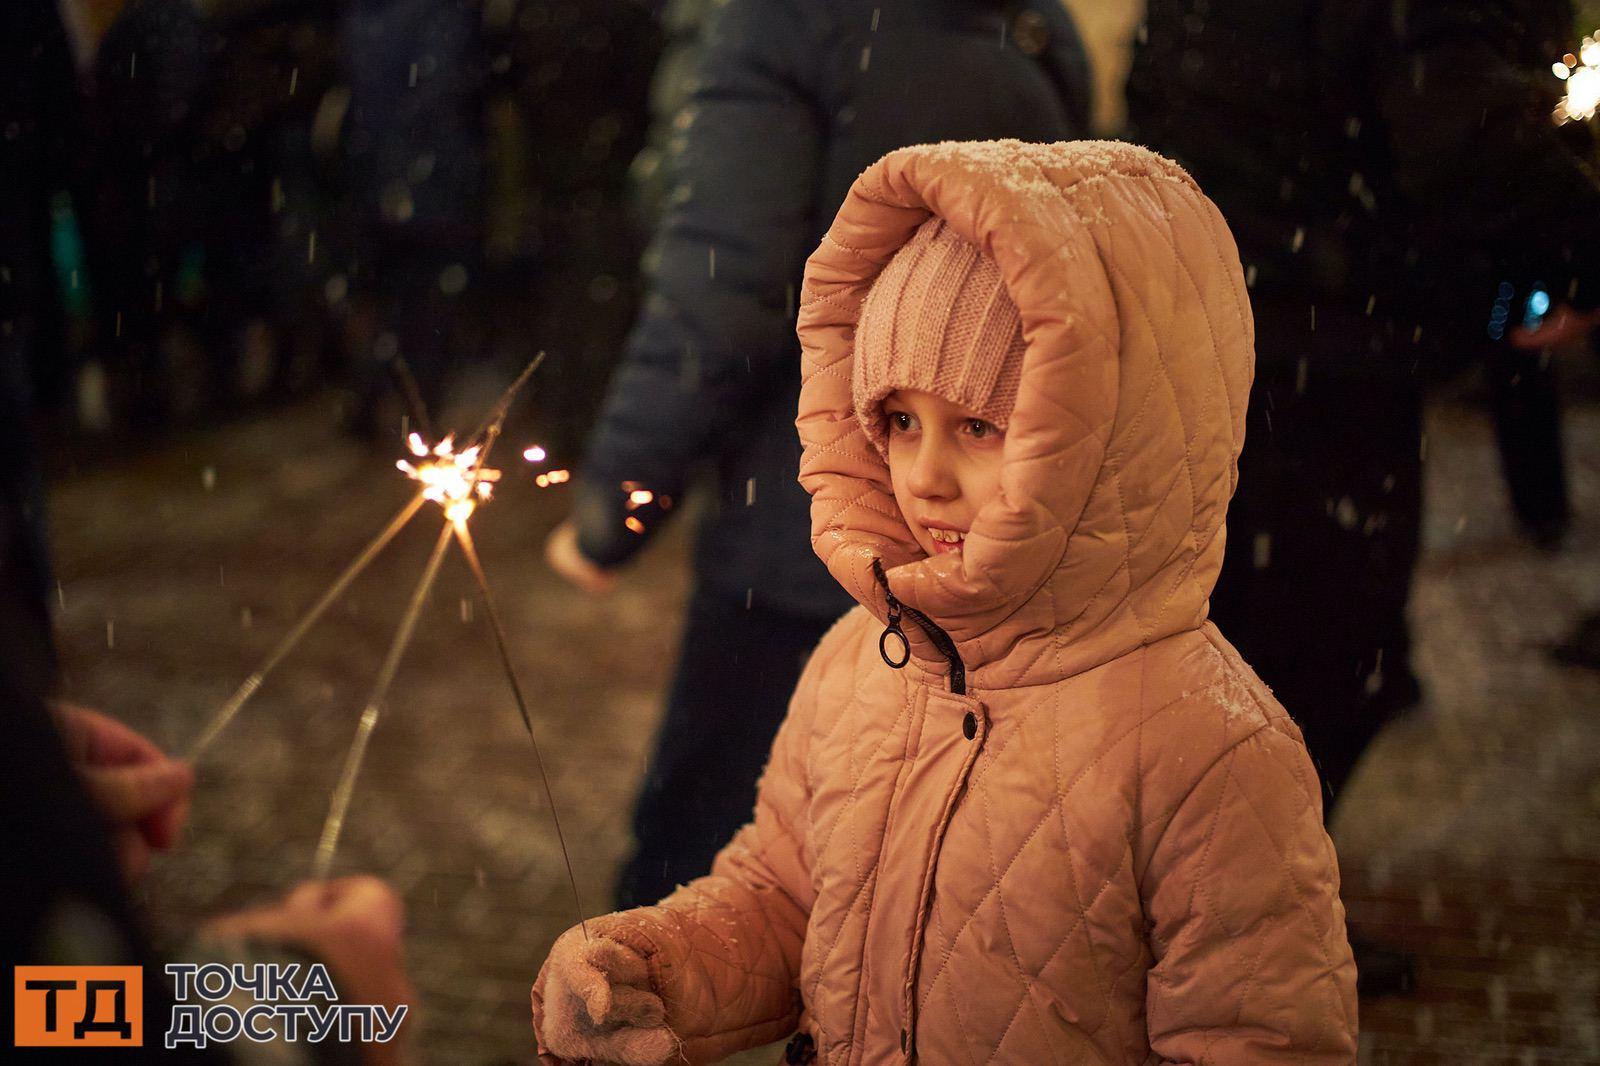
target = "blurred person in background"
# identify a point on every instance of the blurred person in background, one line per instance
(41, 151)
(782, 105)
(485, 147)
(1391, 171)
(284, 189)
(85, 799)
(1372, 262)
(566, 116)
(413, 153)
(209, 230)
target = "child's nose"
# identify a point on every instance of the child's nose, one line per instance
(933, 473)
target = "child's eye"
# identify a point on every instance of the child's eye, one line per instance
(980, 429)
(899, 420)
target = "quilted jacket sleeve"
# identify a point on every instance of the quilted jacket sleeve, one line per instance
(724, 950)
(1242, 895)
(716, 334)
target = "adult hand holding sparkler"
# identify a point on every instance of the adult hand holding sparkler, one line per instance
(561, 551)
(142, 793)
(564, 548)
(356, 926)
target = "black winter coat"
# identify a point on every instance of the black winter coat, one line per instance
(793, 99)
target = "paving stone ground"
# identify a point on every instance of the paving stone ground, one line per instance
(1471, 836)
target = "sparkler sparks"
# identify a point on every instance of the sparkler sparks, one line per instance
(459, 482)
(1581, 72)
(456, 481)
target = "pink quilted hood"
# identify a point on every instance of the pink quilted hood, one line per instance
(1138, 366)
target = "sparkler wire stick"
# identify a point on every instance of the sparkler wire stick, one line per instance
(243, 693)
(490, 429)
(340, 803)
(468, 549)
(411, 394)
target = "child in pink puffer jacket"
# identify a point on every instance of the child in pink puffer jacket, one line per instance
(1029, 805)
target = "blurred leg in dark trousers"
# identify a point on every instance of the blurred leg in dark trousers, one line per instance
(737, 670)
(1322, 543)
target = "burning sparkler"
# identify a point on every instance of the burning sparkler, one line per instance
(454, 480)
(1581, 72)
(459, 482)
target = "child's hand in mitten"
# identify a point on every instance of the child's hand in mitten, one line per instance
(593, 1000)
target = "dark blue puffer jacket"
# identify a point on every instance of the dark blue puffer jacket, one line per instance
(792, 99)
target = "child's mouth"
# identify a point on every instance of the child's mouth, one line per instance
(946, 540)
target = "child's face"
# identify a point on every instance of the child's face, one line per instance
(944, 462)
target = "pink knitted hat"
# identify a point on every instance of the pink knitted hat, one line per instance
(937, 320)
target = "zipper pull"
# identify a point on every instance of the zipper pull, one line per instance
(893, 629)
(940, 639)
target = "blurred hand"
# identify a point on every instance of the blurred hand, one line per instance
(143, 793)
(593, 1000)
(561, 552)
(355, 925)
(1561, 326)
